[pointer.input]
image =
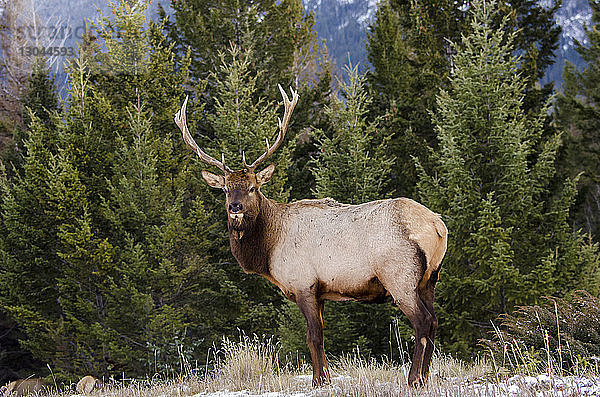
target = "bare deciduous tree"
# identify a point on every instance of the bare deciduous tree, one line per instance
(21, 29)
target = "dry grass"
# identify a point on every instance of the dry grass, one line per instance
(184, 386)
(355, 376)
(249, 364)
(253, 364)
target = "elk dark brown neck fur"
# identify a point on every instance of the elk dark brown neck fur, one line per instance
(317, 250)
(252, 242)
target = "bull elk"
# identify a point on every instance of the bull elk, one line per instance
(317, 250)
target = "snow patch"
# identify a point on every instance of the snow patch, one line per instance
(245, 393)
(539, 386)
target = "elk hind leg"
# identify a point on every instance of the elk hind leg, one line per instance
(427, 296)
(312, 309)
(404, 288)
(407, 298)
(422, 321)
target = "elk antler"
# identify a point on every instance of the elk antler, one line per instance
(181, 122)
(283, 124)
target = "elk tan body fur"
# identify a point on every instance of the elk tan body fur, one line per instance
(23, 387)
(344, 247)
(317, 250)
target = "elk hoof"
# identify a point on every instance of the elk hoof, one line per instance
(417, 382)
(320, 381)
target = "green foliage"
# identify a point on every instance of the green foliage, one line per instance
(567, 330)
(353, 165)
(40, 96)
(578, 115)
(410, 66)
(315, 95)
(409, 58)
(409, 48)
(104, 234)
(509, 242)
(40, 104)
(536, 37)
(279, 46)
(27, 237)
(242, 124)
(274, 32)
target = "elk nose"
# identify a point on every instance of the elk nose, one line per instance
(234, 208)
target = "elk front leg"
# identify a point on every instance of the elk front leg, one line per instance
(312, 309)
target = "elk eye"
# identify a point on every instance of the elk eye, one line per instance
(251, 190)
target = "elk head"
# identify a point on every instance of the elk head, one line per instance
(242, 187)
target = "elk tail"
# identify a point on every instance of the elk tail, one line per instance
(434, 263)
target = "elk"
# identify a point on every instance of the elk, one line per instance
(317, 250)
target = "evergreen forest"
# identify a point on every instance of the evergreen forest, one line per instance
(114, 252)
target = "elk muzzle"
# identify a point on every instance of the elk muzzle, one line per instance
(235, 208)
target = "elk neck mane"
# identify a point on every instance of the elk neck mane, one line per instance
(253, 249)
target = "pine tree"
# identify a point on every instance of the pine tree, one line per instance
(536, 39)
(309, 115)
(105, 234)
(280, 44)
(408, 46)
(40, 95)
(143, 250)
(352, 166)
(40, 98)
(353, 163)
(40, 103)
(241, 123)
(146, 264)
(136, 65)
(28, 293)
(578, 116)
(509, 242)
(273, 30)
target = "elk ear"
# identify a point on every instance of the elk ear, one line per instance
(216, 181)
(265, 175)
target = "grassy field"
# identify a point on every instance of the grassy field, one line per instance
(252, 367)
